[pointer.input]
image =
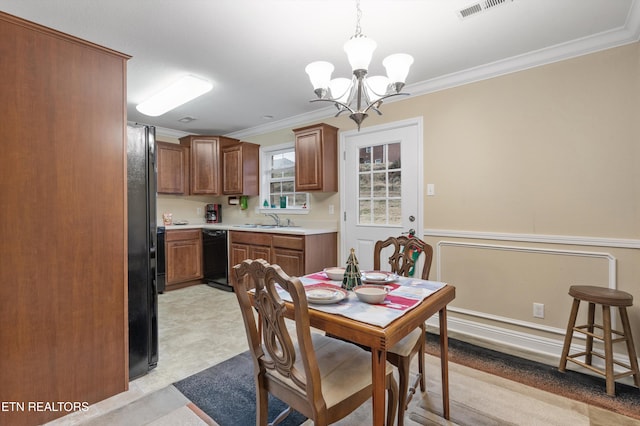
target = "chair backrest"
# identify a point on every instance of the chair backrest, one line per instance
(402, 259)
(274, 354)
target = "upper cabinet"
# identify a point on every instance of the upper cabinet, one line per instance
(205, 166)
(316, 158)
(240, 163)
(173, 168)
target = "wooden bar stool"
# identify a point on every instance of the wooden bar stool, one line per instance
(607, 298)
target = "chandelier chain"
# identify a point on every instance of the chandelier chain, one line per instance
(358, 16)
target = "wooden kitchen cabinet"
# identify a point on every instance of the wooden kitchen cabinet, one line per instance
(316, 158)
(248, 245)
(241, 163)
(205, 171)
(173, 168)
(297, 255)
(183, 253)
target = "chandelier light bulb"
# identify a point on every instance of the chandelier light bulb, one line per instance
(397, 67)
(376, 87)
(359, 51)
(320, 74)
(340, 89)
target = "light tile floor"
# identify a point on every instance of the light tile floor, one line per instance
(200, 326)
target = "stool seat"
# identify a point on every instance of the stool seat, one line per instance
(601, 295)
(607, 298)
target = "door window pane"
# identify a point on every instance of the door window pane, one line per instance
(394, 184)
(364, 212)
(365, 185)
(395, 212)
(365, 159)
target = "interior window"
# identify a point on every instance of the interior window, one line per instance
(278, 183)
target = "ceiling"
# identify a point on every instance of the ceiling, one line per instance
(255, 51)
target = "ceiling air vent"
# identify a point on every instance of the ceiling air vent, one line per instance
(476, 8)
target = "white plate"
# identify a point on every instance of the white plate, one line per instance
(325, 295)
(379, 277)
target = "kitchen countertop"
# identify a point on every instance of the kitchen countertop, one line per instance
(294, 230)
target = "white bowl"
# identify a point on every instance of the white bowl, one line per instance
(373, 294)
(335, 273)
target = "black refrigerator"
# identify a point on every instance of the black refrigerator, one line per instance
(143, 294)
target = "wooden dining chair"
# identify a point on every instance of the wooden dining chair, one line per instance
(402, 261)
(322, 378)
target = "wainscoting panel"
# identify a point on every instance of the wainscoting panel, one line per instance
(500, 283)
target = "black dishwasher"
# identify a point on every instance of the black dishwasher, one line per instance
(214, 262)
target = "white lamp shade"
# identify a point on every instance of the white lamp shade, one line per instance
(340, 89)
(376, 87)
(397, 67)
(359, 50)
(182, 91)
(319, 73)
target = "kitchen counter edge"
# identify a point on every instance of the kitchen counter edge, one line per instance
(294, 230)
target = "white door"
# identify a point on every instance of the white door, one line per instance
(381, 186)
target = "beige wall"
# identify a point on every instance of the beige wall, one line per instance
(537, 179)
(550, 151)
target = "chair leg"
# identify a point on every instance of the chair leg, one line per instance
(392, 399)
(631, 350)
(569, 335)
(421, 352)
(282, 416)
(262, 408)
(403, 374)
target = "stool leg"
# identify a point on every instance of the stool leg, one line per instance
(633, 360)
(589, 343)
(608, 350)
(569, 335)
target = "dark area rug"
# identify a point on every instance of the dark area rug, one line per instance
(227, 393)
(571, 384)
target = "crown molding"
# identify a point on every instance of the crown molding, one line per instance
(170, 133)
(627, 34)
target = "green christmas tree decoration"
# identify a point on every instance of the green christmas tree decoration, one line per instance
(352, 276)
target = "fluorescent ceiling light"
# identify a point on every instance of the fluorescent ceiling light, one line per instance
(180, 92)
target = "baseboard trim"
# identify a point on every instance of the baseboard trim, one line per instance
(536, 348)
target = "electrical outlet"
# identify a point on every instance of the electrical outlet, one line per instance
(199, 211)
(331, 209)
(538, 310)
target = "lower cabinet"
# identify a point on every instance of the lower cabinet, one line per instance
(297, 255)
(183, 257)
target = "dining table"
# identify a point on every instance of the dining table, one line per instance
(409, 303)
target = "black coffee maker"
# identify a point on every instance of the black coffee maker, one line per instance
(213, 213)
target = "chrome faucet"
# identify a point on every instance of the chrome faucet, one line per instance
(274, 217)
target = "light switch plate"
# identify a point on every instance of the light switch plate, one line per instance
(431, 189)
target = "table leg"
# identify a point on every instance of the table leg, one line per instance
(444, 361)
(379, 373)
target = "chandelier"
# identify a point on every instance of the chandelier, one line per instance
(360, 93)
